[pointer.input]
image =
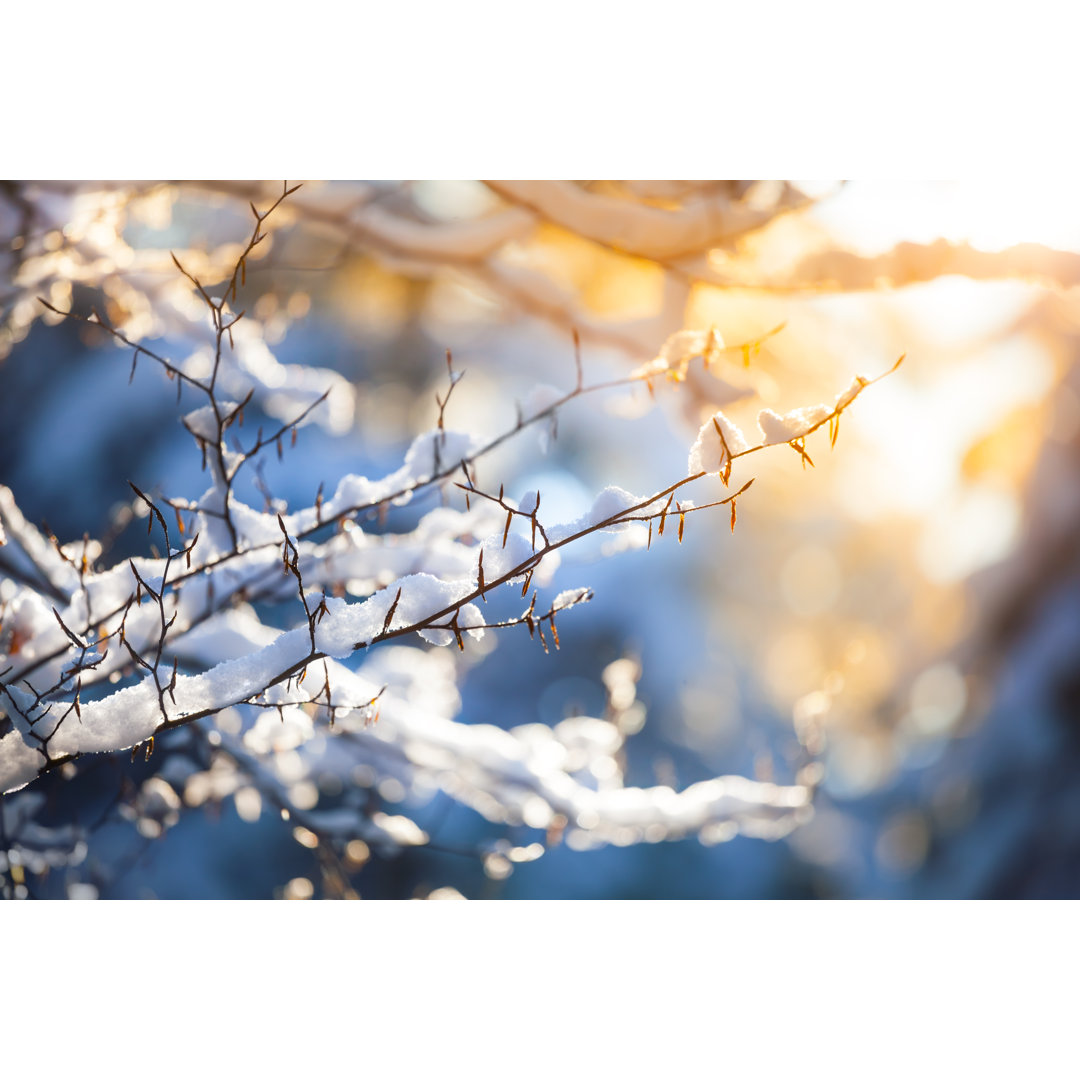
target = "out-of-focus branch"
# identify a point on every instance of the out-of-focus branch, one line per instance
(536, 295)
(365, 222)
(640, 229)
(912, 264)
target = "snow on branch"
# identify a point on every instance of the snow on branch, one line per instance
(637, 227)
(97, 658)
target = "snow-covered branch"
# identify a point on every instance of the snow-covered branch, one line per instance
(290, 642)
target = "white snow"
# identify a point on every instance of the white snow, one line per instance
(28, 551)
(131, 715)
(254, 528)
(708, 454)
(422, 596)
(500, 560)
(430, 453)
(846, 397)
(19, 762)
(203, 423)
(570, 597)
(684, 345)
(776, 429)
(678, 350)
(609, 503)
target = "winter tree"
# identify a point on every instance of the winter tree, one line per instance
(251, 622)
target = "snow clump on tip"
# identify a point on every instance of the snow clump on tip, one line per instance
(709, 453)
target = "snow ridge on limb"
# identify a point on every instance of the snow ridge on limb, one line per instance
(415, 603)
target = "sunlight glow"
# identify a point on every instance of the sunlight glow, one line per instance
(873, 216)
(922, 431)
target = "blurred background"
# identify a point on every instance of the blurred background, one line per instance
(907, 612)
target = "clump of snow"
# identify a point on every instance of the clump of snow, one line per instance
(30, 617)
(500, 559)
(131, 715)
(28, 551)
(92, 657)
(679, 349)
(19, 762)
(611, 502)
(422, 596)
(673, 362)
(430, 453)
(855, 388)
(708, 454)
(203, 422)
(691, 343)
(777, 429)
(796, 424)
(570, 597)
(254, 528)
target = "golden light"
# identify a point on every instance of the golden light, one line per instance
(848, 603)
(871, 216)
